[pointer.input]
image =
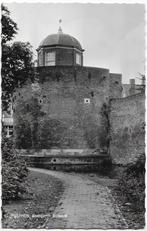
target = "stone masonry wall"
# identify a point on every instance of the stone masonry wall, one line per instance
(55, 113)
(115, 85)
(127, 131)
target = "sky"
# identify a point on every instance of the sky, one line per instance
(112, 35)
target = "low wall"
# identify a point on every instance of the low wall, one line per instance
(86, 163)
(60, 152)
(127, 128)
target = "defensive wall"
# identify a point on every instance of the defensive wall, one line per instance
(127, 128)
(65, 109)
(115, 85)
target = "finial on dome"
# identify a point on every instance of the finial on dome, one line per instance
(60, 29)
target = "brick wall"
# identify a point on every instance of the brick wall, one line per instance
(127, 131)
(115, 85)
(56, 115)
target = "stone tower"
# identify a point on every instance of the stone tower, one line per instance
(64, 114)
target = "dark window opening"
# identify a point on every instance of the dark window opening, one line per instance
(27, 105)
(54, 160)
(19, 93)
(44, 96)
(58, 77)
(75, 76)
(116, 82)
(92, 93)
(89, 76)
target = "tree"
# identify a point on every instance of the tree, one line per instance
(16, 66)
(9, 27)
(16, 59)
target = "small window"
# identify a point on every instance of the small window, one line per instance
(89, 76)
(92, 93)
(75, 76)
(87, 101)
(27, 107)
(78, 59)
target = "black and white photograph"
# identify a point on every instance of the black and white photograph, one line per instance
(73, 115)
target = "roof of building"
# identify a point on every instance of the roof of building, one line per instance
(61, 39)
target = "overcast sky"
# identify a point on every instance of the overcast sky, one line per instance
(111, 34)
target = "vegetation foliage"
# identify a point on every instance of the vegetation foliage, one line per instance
(16, 69)
(14, 171)
(132, 184)
(16, 59)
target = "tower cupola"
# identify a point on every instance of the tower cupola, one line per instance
(60, 49)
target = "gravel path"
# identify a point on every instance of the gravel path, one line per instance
(85, 204)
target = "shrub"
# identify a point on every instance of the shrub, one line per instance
(132, 183)
(14, 171)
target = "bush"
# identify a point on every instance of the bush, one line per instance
(132, 183)
(14, 171)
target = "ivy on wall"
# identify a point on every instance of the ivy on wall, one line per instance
(23, 132)
(52, 134)
(104, 133)
(27, 135)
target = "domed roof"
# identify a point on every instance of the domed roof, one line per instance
(61, 39)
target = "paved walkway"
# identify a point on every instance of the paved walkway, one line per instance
(85, 204)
